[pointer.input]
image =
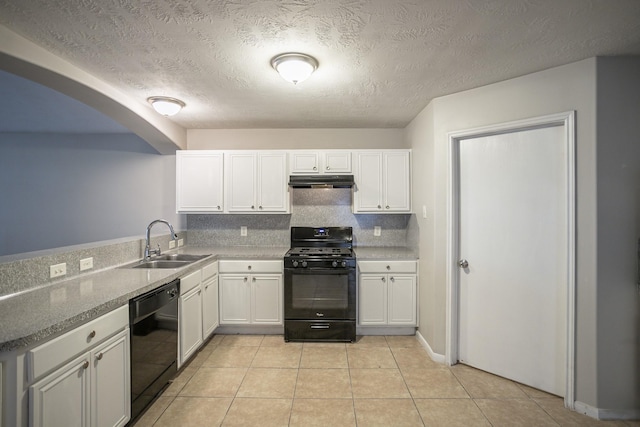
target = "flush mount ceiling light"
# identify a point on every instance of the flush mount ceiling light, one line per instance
(165, 105)
(294, 67)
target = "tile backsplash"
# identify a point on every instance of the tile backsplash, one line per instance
(309, 207)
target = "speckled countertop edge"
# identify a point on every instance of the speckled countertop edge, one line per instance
(34, 316)
(43, 313)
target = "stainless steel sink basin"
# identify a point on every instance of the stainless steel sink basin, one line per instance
(167, 261)
(161, 264)
(179, 257)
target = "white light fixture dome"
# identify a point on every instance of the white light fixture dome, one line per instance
(294, 67)
(165, 105)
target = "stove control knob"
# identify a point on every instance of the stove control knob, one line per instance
(334, 264)
(304, 264)
(343, 264)
(295, 263)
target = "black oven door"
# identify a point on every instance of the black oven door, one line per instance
(319, 294)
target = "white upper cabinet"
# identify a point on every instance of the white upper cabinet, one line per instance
(199, 181)
(383, 181)
(257, 182)
(309, 162)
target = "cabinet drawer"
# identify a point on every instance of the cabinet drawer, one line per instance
(190, 281)
(209, 270)
(258, 266)
(387, 266)
(49, 355)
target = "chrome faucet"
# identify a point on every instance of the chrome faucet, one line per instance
(147, 249)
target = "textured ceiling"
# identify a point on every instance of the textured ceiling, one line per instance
(381, 61)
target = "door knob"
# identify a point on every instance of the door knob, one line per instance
(463, 263)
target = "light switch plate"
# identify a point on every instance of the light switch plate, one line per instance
(243, 230)
(424, 211)
(377, 231)
(180, 242)
(172, 244)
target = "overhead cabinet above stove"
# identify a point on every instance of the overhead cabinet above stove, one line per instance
(310, 162)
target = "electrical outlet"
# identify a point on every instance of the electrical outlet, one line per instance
(86, 264)
(377, 230)
(57, 270)
(243, 230)
(180, 242)
(172, 244)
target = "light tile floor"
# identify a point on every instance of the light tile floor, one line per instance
(255, 380)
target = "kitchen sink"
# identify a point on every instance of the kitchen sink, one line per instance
(161, 264)
(178, 257)
(166, 261)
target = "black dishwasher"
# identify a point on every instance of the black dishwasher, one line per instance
(153, 320)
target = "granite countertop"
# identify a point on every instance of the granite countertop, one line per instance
(44, 312)
(35, 315)
(385, 252)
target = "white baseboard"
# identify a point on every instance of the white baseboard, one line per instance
(607, 414)
(434, 356)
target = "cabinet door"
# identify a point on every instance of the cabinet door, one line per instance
(241, 177)
(235, 299)
(372, 299)
(266, 299)
(272, 186)
(397, 182)
(402, 299)
(368, 192)
(337, 162)
(190, 309)
(209, 306)
(62, 398)
(110, 388)
(199, 181)
(305, 162)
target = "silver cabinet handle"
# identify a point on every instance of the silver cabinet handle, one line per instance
(387, 206)
(315, 168)
(253, 207)
(245, 279)
(99, 356)
(218, 207)
(253, 279)
(328, 168)
(85, 365)
(388, 267)
(393, 279)
(92, 334)
(463, 263)
(249, 267)
(260, 207)
(384, 280)
(379, 207)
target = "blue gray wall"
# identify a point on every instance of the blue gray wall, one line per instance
(67, 189)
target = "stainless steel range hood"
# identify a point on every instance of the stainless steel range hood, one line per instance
(321, 181)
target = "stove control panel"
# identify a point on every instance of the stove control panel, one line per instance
(326, 264)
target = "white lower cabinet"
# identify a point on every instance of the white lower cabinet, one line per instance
(190, 316)
(209, 300)
(93, 389)
(251, 292)
(197, 310)
(387, 293)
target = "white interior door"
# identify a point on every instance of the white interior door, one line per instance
(513, 223)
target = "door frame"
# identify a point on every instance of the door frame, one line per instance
(565, 119)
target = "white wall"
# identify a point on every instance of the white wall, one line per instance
(618, 131)
(61, 190)
(570, 87)
(276, 139)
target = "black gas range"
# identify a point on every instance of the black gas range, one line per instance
(320, 285)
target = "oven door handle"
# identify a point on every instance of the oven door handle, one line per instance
(343, 271)
(320, 326)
